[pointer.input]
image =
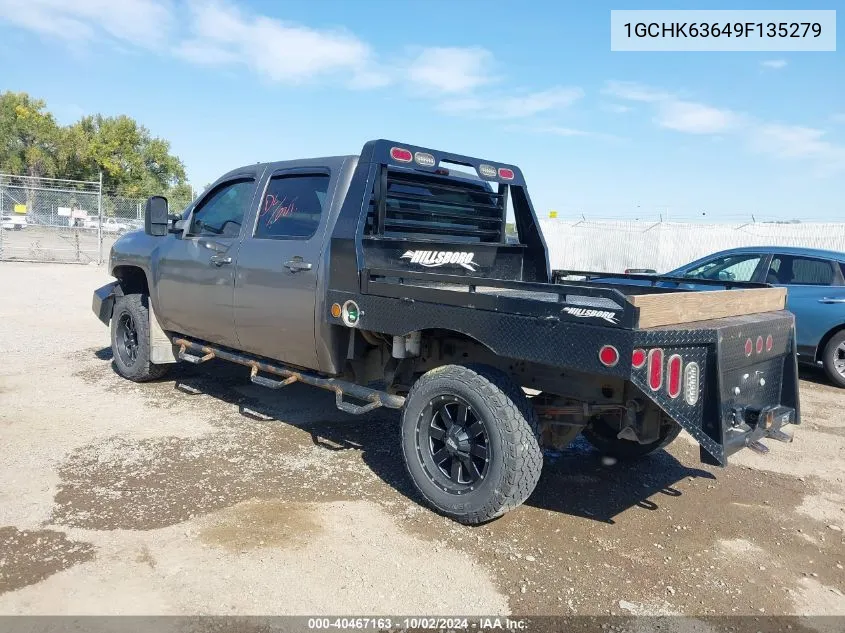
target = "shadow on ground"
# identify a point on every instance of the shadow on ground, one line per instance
(150, 483)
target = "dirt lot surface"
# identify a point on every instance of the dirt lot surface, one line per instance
(202, 493)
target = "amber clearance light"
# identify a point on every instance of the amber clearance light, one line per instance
(336, 310)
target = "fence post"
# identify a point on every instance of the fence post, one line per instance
(100, 221)
(1, 215)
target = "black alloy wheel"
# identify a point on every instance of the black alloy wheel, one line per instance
(127, 339)
(453, 444)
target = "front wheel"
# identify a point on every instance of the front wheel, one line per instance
(833, 359)
(130, 339)
(470, 442)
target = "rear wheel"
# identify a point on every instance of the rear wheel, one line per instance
(470, 442)
(833, 359)
(603, 436)
(130, 339)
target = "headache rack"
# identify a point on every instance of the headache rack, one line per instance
(425, 205)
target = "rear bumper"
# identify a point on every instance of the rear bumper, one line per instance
(103, 301)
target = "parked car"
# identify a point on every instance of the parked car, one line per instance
(815, 283)
(110, 225)
(13, 222)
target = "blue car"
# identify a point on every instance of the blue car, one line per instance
(815, 283)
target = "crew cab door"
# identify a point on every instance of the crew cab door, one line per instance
(278, 267)
(195, 272)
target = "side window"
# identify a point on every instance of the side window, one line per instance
(805, 271)
(292, 206)
(728, 268)
(222, 211)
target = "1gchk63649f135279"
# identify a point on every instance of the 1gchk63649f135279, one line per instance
(388, 278)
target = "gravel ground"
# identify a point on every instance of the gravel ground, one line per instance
(203, 494)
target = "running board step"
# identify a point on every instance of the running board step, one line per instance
(194, 359)
(269, 382)
(190, 351)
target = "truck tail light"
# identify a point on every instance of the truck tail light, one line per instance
(759, 344)
(673, 387)
(609, 355)
(749, 347)
(691, 378)
(505, 173)
(487, 171)
(425, 159)
(655, 368)
(401, 155)
(769, 343)
(638, 358)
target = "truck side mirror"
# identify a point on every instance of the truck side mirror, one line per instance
(156, 217)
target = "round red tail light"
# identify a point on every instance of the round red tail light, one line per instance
(402, 155)
(759, 344)
(749, 347)
(769, 343)
(638, 358)
(609, 355)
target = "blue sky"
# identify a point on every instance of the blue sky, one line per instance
(599, 133)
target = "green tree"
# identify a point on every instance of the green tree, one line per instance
(29, 136)
(133, 162)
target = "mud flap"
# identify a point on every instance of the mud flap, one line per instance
(162, 350)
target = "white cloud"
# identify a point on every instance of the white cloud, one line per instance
(694, 118)
(451, 70)
(672, 112)
(776, 64)
(143, 23)
(773, 139)
(633, 91)
(221, 34)
(516, 107)
(795, 141)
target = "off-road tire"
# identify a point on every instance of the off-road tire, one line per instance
(135, 306)
(603, 438)
(514, 459)
(830, 355)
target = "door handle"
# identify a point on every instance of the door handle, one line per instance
(295, 265)
(832, 300)
(220, 260)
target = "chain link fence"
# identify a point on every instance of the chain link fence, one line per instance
(55, 220)
(614, 245)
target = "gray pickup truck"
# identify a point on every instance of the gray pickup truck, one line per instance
(389, 278)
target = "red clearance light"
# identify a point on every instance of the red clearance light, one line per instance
(769, 343)
(759, 344)
(673, 387)
(505, 173)
(638, 358)
(609, 355)
(402, 155)
(749, 347)
(655, 369)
